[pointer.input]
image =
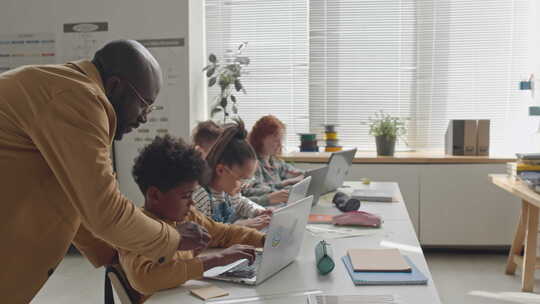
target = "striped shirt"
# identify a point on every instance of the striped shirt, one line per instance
(211, 204)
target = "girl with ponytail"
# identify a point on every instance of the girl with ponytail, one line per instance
(232, 162)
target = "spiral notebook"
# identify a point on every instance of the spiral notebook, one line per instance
(415, 277)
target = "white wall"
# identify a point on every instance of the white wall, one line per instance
(130, 19)
(197, 60)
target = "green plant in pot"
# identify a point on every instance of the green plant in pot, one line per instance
(387, 129)
(227, 75)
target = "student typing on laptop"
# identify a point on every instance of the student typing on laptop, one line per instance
(167, 172)
(232, 162)
(273, 175)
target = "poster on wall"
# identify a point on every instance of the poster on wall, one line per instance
(169, 53)
(172, 57)
(81, 40)
(24, 49)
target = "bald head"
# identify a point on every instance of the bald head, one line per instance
(132, 80)
(132, 61)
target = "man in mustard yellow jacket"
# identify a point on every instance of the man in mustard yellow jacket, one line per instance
(167, 172)
(57, 125)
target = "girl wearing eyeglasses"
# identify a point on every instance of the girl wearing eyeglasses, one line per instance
(232, 162)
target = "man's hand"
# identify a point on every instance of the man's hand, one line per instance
(258, 222)
(277, 197)
(229, 255)
(193, 237)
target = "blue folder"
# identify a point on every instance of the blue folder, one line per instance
(415, 277)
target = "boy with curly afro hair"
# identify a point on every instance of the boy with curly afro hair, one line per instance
(167, 171)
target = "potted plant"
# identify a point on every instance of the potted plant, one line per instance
(387, 129)
(227, 75)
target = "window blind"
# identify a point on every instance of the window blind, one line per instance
(317, 62)
(362, 60)
(471, 56)
(276, 80)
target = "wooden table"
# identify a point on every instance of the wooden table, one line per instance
(523, 250)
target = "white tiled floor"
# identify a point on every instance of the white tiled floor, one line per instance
(455, 274)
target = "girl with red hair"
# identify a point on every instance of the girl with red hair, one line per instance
(273, 175)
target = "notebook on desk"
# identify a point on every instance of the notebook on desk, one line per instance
(378, 260)
(372, 195)
(415, 277)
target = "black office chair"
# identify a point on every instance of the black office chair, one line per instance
(116, 279)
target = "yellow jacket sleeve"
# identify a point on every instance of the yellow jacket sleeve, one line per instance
(148, 277)
(97, 251)
(72, 134)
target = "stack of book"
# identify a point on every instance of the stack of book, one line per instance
(308, 142)
(382, 267)
(332, 140)
(527, 168)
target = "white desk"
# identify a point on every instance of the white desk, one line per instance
(301, 275)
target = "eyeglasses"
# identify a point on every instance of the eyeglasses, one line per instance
(243, 181)
(148, 107)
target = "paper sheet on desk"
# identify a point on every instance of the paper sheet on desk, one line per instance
(314, 297)
(280, 298)
(352, 299)
(337, 232)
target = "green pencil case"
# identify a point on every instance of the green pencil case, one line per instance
(324, 257)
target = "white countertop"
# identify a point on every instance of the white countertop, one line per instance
(301, 276)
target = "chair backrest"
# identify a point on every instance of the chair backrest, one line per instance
(116, 279)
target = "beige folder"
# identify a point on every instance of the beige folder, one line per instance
(378, 260)
(483, 137)
(470, 137)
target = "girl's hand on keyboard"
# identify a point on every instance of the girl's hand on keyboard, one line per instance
(258, 222)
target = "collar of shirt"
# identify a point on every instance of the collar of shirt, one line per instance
(90, 70)
(217, 195)
(270, 165)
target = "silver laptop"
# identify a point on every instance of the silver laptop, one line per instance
(318, 177)
(299, 190)
(283, 242)
(338, 168)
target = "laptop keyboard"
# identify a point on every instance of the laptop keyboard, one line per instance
(244, 270)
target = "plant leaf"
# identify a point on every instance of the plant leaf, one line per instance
(212, 58)
(223, 82)
(215, 110)
(234, 109)
(233, 98)
(206, 67)
(210, 71)
(223, 102)
(242, 60)
(211, 82)
(237, 85)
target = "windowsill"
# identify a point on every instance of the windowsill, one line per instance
(416, 157)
